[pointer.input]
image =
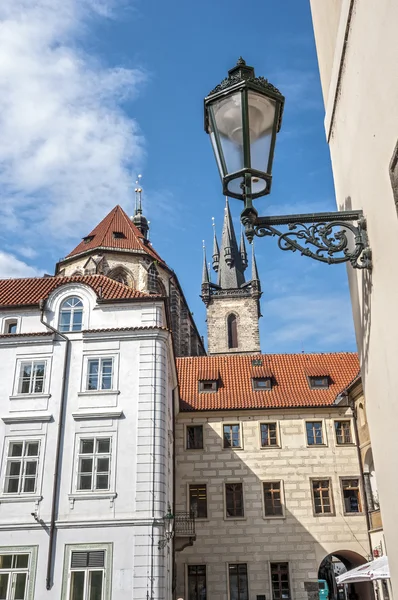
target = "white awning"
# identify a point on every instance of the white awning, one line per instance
(375, 569)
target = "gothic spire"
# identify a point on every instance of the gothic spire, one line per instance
(205, 271)
(255, 276)
(242, 251)
(216, 250)
(231, 269)
(139, 220)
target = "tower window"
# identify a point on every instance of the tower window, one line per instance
(119, 235)
(232, 326)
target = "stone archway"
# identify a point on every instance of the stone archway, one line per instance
(339, 562)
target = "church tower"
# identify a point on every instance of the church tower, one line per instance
(233, 305)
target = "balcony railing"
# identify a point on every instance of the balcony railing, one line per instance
(184, 524)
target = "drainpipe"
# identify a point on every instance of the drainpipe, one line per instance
(351, 404)
(55, 490)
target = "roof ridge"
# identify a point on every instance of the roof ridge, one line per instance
(253, 356)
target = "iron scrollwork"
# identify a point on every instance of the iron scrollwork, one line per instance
(331, 238)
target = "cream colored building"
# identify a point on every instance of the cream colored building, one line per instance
(267, 462)
(357, 47)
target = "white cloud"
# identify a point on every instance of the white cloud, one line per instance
(66, 147)
(12, 267)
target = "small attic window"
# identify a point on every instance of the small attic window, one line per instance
(257, 362)
(119, 235)
(208, 385)
(261, 383)
(88, 239)
(318, 382)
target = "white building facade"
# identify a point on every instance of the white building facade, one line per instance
(86, 418)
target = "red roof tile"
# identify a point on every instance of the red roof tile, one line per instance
(28, 292)
(290, 385)
(102, 236)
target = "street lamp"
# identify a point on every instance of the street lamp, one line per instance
(243, 115)
(168, 521)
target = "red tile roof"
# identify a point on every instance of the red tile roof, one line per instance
(117, 221)
(28, 292)
(290, 385)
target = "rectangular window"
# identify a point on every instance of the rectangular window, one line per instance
(269, 435)
(22, 467)
(280, 581)
(198, 501)
(231, 436)
(234, 500)
(343, 432)
(263, 383)
(314, 433)
(196, 582)
(94, 463)
(99, 374)
(351, 495)
(272, 499)
(319, 382)
(238, 585)
(87, 574)
(195, 437)
(208, 385)
(14, 572)
(31, 377)
(321, 494)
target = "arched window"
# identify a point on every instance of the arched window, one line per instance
(232, 325)
(71, 315)
(122, 276)
(153, 279)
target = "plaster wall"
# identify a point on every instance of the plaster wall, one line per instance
(361, 125)
(300, 538)
(135, 414)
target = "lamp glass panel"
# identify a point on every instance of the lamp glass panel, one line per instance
(261, 127)
(228, 119)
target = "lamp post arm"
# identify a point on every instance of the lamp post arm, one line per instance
(332, 237)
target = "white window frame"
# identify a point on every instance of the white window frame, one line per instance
(282, 493)
(85, 373)
(324, 436)
(6, 458)
(94, 456)
(107, 569)
(30, 570)
(101, 360)
(33, 377)
(18, 371)
(8, 321)
(72, 312)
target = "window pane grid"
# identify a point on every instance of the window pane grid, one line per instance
(268, 434)
(234, 499)
(31, 378)
(87, 575)
(100, 374)
(343, 432)
(231, 436)
(14, 570)
(272, 498)
(351, 496)
(198, 501)
(280, 581)
(21, 468)
(195, 437)
(238, 588)
(71, 315)
(314, 433)
(196, 582)
(94, 464)
(322, 496)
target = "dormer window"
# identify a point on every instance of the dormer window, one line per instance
(10, 326)
(119, 235)
(71, 314)
(261, 383)
(208, 385)
(318, 382)
(88, 239)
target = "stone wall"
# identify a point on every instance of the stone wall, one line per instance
(299, 537)
(246, 311)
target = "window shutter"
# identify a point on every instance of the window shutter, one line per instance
(79, 559)
(96, 558)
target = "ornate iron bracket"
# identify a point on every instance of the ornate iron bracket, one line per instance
(332, 238)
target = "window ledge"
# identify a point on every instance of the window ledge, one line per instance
(274, 517)
(4, 498)
(276, 447)
(235, 519)
(97, 414)
(99, 393)
(91, 496)
(30, 396)
(27, 418)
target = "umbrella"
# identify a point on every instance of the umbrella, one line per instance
(375, 569)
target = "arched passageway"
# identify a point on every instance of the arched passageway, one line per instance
(339, 562)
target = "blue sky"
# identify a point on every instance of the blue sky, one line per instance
(94, 92)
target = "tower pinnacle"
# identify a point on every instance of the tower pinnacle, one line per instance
(139, 220)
